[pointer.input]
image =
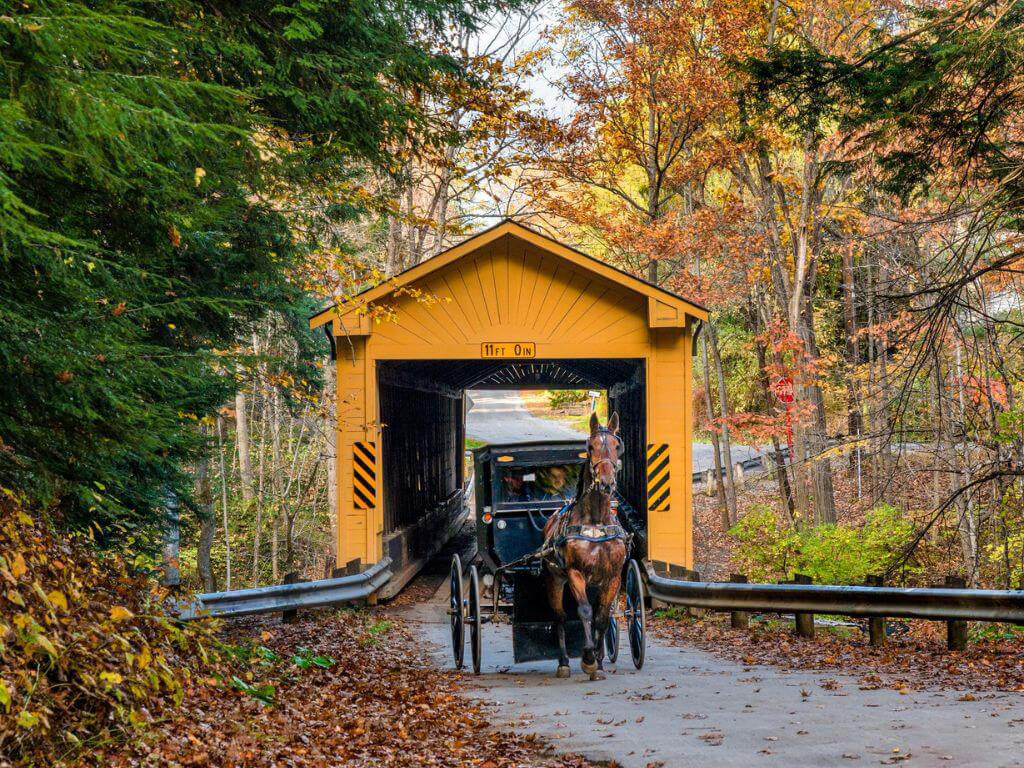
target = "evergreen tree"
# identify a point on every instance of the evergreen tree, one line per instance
(143, 150)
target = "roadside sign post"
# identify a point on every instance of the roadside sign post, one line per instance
(594, 394)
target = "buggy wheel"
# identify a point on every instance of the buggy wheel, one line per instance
(611, 639)
(474, 617)
(456, 612)
(636, 620)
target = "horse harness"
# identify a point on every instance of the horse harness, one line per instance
(554, 551)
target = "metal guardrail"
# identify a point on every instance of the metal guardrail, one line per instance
(760, 461)
(289, 597)
(937, 604)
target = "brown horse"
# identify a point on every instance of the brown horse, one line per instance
(588, 548)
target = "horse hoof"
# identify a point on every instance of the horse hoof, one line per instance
(590, 669)
(562, 672)
(597, 675)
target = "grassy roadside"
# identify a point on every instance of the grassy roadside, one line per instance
(575, 416)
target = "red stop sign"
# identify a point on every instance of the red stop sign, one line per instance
(783, 389)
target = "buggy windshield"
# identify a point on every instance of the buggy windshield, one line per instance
(551, 482)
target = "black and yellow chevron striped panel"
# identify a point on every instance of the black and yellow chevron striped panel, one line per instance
(364, 474)
(659, 485)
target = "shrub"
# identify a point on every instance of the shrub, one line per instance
(830, 554)
(768, 547)
(1006, 554)
(559, 398)
(86, 653)
(840, 554)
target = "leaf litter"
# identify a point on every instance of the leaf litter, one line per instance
(337, 688)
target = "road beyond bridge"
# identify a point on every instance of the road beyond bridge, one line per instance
(500, 416)
(687, 707)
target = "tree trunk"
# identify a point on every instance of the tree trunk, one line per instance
(275, 477)
(441, 214)
(939, 418)
(208, 522)
(723, 405)
(259, 497)
(785, 490)
(820, 469)
(853, 412)
(872, 385)
(242, 438)
(885, 418)
(394, 259)
(965, 508)
(723, 504)
(224, 503)
(171, 576)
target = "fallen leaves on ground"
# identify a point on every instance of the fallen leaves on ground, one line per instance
(916, 659)
(86, 654)
(337, 688)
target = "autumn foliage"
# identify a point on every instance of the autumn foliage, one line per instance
(86, 654)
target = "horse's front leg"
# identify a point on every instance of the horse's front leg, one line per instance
(578, 585)
(602, 615)
(556, 589)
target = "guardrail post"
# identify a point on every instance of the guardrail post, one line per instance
(685, 574)
(876, 625)
(956, 631)
(804, 621)
(691, 611)
(288, 617)
(737, 473)
(739, 619)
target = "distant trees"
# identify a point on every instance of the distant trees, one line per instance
(849, 208)
(931, 117)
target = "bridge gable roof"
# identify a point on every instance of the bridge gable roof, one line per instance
(666, 309)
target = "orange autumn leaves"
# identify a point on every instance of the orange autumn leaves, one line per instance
(651, 91)
(84, 651)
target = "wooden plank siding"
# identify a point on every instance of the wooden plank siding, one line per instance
(511, 285)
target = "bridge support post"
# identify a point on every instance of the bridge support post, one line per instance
(739, 619)
(804, 621)
(876, 626)
(956, 631)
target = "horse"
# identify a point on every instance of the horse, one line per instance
(586, 547)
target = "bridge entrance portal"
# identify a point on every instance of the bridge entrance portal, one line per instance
(506, 309)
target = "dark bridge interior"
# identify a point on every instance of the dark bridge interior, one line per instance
(422, 411)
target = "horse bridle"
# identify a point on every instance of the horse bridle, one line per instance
(616, 465)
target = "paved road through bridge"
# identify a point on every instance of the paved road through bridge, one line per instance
(687, 707)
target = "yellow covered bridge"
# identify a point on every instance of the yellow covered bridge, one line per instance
(507, 308)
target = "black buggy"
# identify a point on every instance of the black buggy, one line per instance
(518, 487)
